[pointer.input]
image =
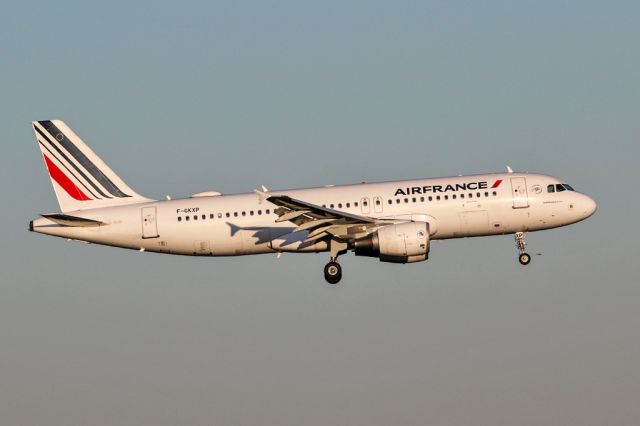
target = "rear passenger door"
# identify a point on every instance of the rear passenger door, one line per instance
(149, 224)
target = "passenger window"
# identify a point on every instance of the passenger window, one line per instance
(377, 201)
(227, 214)
(422, 199)
(365, 203)
(438, 198)
(211, 216)
(478, 194)
(495, 193)
(186, 218)
(461, 195)
(397, 200)
(390, 201)
(406, 200)
(339, 205)
(179, 218)
(551, 188)
(453, 196)
(486, 194)
(348, 205)
(430, 198)
(331, 205)
(259, 212)
(204, 216)
(413, 199)
(355, 204)
(470, 195)
(195, 217)
(244, 213)
(266, 211)
(251, 213)
(235, 214)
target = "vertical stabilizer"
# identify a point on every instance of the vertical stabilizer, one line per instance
(80, 179)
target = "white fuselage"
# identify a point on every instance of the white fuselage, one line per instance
(242, 224)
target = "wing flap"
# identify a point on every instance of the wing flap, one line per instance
(292, 215)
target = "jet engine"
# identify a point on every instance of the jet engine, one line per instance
(398, 243)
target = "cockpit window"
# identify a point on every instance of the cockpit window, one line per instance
(559, 187)
(568, 187)
(551, 188)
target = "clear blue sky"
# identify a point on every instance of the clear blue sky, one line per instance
(183, 97)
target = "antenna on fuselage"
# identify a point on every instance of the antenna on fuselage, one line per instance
(509, 169)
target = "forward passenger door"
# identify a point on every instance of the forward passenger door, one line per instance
(519, 193)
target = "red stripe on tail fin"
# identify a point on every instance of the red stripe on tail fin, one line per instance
(62, 180)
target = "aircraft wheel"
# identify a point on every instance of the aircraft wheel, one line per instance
(524, 258)
(332, 272)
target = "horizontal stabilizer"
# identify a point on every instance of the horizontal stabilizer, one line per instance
(68, 220)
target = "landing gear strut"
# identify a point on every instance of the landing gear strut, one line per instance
(333, 270)
(524, 257)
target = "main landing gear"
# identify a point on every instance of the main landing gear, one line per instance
(524, 258)
(333, 270)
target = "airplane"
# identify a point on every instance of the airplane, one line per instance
(394, 221)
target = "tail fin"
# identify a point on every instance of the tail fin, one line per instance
(80, 179)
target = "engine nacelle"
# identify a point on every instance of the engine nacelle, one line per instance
(401, 243)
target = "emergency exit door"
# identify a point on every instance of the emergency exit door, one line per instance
(149, 223)
(519, 193)
(364, 205)
(377, 204)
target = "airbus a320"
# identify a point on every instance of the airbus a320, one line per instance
(392, 221)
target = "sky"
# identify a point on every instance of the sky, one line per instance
(184, 97)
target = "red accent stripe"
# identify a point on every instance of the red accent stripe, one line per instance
(62, 180)
(496, 183)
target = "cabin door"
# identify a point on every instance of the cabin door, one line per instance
(519, 192)
(149, 223)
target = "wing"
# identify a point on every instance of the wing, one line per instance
(322, 222)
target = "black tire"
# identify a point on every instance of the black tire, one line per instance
(524, 258)
(333, 272)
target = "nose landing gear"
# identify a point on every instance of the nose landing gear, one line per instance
(523, 258)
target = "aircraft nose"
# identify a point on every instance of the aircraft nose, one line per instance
(589, 206)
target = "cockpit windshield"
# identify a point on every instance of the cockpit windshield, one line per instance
(559, 187)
